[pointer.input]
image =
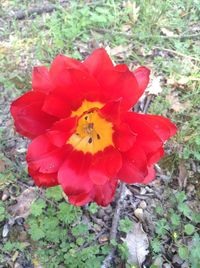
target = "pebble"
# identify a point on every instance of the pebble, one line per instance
(143, 204)
(5, 196)
(6, 230)
(139, 213)
(101, 213)
(190, 188)
(103, 238)
(20, 221)
(13, 190)
(106, 218)
(177, 259)
(166, 265)
(108, 210)
(22, 236)
(17, 265)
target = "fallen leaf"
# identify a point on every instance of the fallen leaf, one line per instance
(24, 201)
(182, 177)
(154, 87)
(133, 10)
(121, 51)
(167, 32)
(2, 165)
(175, 103)
(137, 243)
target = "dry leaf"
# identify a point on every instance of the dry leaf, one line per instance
(154, 87)
(121, 51)
(167, 32)
(2, 165)
(137, 243)
(24, 202)
(133, 10)
(182, 177)
(175, 103)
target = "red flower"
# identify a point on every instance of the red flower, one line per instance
(84, 135)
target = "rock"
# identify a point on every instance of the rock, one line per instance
(108, 210)
(103, 238)
(106, 218)
(23, 236)
(101, 213)
(190, 188)
(143, 204)
(13, 190)
(177, 259)
(19, 221)
(6, 230)
(166, 265)
(139, 213)
(17, 265)
(5, 196)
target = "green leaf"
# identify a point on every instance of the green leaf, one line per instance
(183, 208)
(36, 232)
(181, 197)
(125, 225)
(183, 253)
(54, 193)
(156, 245)
(93, 208)
(162, 227)
(81, 229)
(2, 211)
(175, 219)
(37, 207)
(189, 229)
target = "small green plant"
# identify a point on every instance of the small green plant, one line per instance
(125, 225)
(176, 224)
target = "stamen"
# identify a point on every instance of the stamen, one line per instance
(98, 136)
(86, 117)
(90, 140)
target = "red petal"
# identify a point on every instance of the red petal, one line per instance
(105, 193)
(123, 137)
(30, 120)
(111, 111)
(119, 84)
(62, 63)
(150, 176)
(105, 165)
(162, 126)
(61, 131)
(73, 174)
(146, 138)
(42, 179)
(72, 87)
(98, 62)
(134, 167)
(142, 76)
(80, 200)
(41, 80)
(56, 105)
(45, 157)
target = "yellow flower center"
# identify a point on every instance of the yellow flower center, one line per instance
(93, 133)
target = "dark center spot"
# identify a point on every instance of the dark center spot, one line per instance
(90, 140)
(98, 137)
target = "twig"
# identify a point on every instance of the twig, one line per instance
(20, 14)
(147, 104)
(113, 233)
(188, 36)
(177, 53)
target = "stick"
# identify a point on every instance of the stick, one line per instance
(115, 222)
(177, 53)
